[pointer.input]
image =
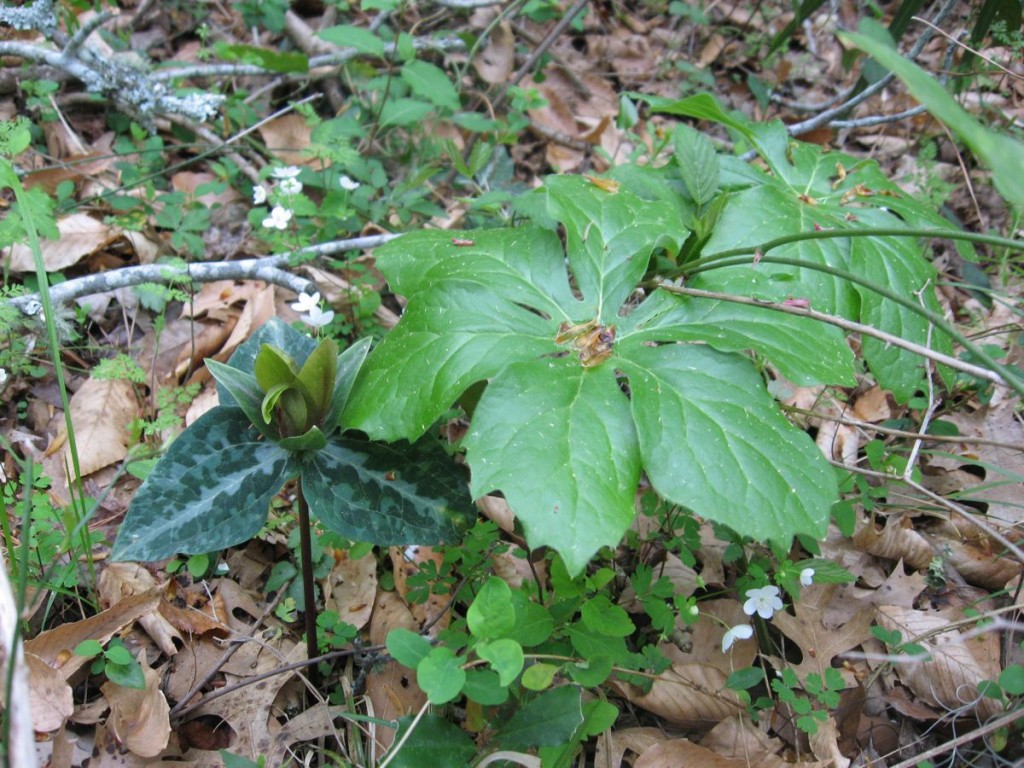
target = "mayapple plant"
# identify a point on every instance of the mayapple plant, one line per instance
(584, 370)
(281, 396)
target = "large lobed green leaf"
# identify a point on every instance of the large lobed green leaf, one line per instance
(803, 193)
(558, 439)
(212, 489)
(713, 440)
(564, 429)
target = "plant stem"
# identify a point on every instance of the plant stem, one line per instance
(308, 593)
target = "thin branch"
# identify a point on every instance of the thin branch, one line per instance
(848, 325)
(868, 426)
(333, 59)
(271, 269)
(826, 117)
(1003, 721)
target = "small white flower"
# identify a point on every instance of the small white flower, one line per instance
(278, 218)
(3, 375)
(348, 184)
(807, 577)
(307, 302)
(693, 610)
(739, 632)
(288, 172)
(259, 194)
(318, 318)
(763, 601)
(291, 186)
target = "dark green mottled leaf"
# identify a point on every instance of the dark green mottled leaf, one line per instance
(386, 494)
(212, 489)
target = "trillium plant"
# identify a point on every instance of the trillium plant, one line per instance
(281, 396)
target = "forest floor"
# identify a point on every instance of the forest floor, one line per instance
(214, 635)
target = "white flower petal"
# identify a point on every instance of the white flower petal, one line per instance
(291, 186)
(348, 184)
(318, 318)
(287, 172)
(278, 218)
(739, 632)
(807, 577)
(259, 194)
(307, 302)
(763, 601)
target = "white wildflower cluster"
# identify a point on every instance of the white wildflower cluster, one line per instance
(288, 186)
(309, 306)
(764, 601)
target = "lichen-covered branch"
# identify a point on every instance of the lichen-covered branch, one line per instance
(271, 269)
(129, 88)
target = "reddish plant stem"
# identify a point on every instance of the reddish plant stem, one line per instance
(308, 592)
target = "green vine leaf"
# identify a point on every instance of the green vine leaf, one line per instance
(211, 490)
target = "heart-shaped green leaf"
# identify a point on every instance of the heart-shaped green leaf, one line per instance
(212, 489)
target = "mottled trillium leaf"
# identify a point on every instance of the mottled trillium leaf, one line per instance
(387, 494)
(212, 489)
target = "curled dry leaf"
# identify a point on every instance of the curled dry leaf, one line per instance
(286, 137)
(406, 562)
(897, 540)
(496, 61)
(820, 644)
(672, 754)
(613, 744)
(80, 235)
(958, 663)
(50, 697)
(140, 718)
(350, 588)
(101, 412)
(498, 512)
(691, 696)
(51, 659)
(738, 737)
(825, 744)
(873, 406)
(981, 560)
(120, 580)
